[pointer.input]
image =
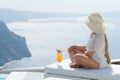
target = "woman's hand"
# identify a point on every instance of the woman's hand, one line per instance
(81, 47)
(78, 49)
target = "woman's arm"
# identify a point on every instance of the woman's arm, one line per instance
(81, 48)
(78, 49)
(89, 53)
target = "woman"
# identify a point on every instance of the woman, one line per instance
(95, 55)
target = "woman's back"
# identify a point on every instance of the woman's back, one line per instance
(97, 44)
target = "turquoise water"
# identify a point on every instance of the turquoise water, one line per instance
(2, 78)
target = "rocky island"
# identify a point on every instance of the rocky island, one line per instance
(12, 46)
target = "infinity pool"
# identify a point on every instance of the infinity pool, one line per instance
(2, 78)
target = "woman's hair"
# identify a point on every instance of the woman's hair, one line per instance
(106, 50)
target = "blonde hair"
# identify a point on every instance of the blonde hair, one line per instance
(106, 50)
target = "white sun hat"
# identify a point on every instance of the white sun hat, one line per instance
(95, 22)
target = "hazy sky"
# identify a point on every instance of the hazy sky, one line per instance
(62, 5)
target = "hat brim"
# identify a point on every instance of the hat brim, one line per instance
(86, 20)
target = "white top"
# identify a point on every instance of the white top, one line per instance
(97, 44)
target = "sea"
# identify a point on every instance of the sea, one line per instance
(45, 35)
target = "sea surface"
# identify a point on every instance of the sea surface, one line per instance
(44, 36)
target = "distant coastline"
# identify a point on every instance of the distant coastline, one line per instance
(22, 16)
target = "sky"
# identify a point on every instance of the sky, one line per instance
(73, 6)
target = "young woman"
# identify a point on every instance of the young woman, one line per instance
(95, 54)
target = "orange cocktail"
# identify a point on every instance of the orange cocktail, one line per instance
(59, 56)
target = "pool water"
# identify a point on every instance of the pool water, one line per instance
(2, 78)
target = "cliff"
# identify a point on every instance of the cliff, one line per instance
(12, 46)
